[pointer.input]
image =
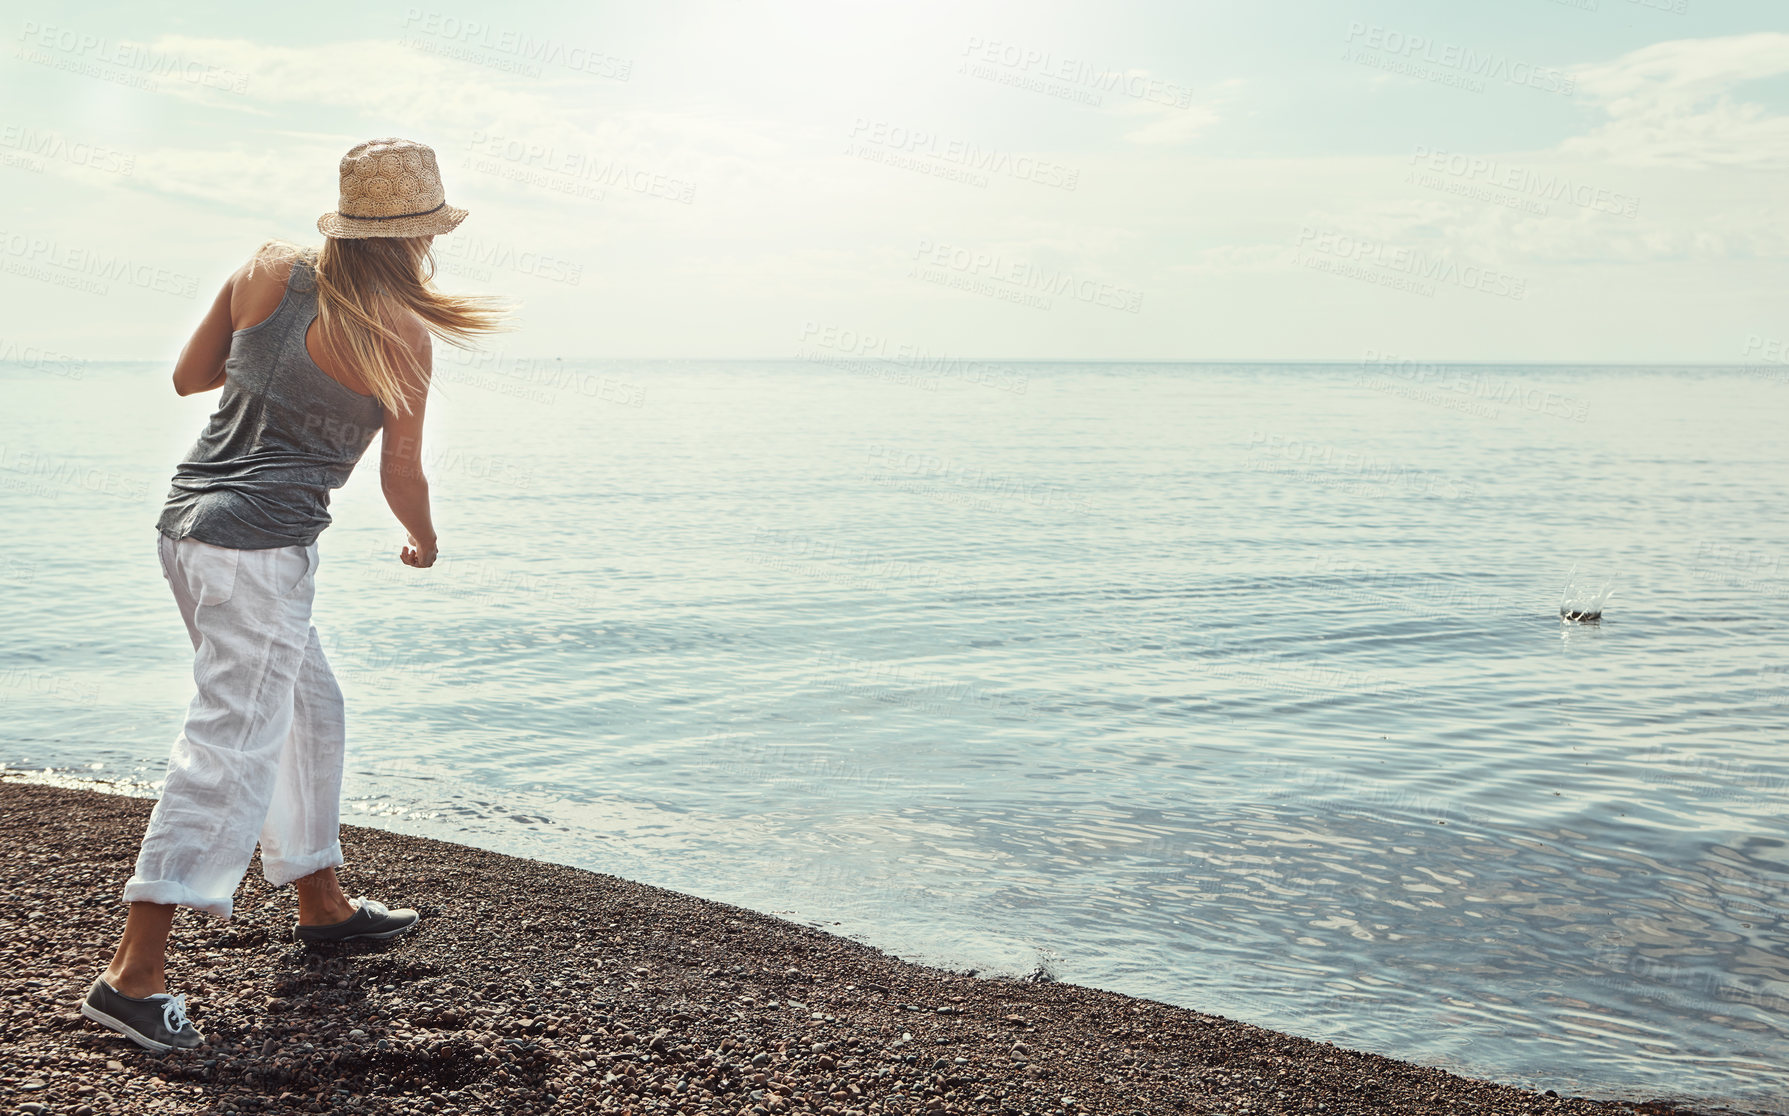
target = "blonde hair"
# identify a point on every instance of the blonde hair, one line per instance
(357, 278)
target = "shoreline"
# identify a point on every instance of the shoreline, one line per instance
(531, 987)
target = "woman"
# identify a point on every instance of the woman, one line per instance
(316, 351)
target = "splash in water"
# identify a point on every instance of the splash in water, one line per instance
(1580, 602)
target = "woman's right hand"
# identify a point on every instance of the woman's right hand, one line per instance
(417, 554)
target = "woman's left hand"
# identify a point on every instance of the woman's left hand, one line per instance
(418, 555)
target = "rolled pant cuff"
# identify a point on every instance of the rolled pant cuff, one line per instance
(172, 891)
(283, 870)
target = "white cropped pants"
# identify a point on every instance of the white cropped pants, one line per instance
(260, 755)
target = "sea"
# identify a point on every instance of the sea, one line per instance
(1434, 710)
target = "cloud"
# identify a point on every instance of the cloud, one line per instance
(1168, 122)
(514, 126)
(1673, 104)
(433, 96)
(1676, 228)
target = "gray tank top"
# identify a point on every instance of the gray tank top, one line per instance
(285, 433)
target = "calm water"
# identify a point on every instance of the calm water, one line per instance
(1239, 687)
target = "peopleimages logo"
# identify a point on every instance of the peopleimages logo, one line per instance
(1017, 64)
(84, 268)
(523, 52)
(1549, 187)
(482, 258)
(859, 350)
(1771, 349)
(1417, 266)
(1464, 387)
(126, 62)
(566, 170)
(969, 156)
(1415, 51)
(40, 144)
(1021, 276)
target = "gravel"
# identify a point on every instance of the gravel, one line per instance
(531, 987)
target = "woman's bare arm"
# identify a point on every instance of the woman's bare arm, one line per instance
(201, 363)
(400, 468)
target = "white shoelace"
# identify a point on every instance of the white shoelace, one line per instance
(173, 1011)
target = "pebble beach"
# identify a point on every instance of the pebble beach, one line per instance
(531, 987)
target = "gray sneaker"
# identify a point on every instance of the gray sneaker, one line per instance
(372, 920)
(155, 1022)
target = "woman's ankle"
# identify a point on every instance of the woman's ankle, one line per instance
(138, 984)
(321, 900)
(324, 912)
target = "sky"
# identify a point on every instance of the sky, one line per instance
(1523, 180)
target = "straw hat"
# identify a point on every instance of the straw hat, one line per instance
(390, 187)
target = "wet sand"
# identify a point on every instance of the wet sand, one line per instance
(531, 987)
